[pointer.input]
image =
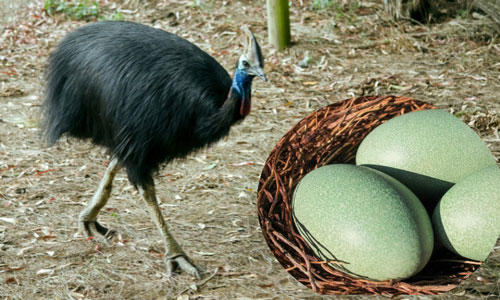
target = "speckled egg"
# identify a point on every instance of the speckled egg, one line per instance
(372, 223)
(427, 150)
(467, 219)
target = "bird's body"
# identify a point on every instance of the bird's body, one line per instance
(146, 109)
(147, 95)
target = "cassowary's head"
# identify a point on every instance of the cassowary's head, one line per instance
(250, 64)
(252, 61)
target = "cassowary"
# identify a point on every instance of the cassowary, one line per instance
(148, 96)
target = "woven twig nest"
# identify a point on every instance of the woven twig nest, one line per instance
(332, 135)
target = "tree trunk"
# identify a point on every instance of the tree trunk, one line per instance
(278, 23)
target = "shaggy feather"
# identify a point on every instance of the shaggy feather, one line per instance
(147, 95)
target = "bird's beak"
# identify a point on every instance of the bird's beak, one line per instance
(259, 72)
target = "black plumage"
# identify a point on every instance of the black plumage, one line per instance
(146, 95)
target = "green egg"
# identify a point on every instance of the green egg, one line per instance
(467, 219)
(427, 150)
(364, 218)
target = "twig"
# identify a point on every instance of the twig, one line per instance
(372, 44)
(195, 287)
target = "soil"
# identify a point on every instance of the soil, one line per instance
(209, 199)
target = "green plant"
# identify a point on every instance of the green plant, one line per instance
(341, 12)
(115, 16)
(79, 10)
(207, 5)
(49, 6)
(323, 4)
(463, 13)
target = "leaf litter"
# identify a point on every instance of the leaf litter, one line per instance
(209, 199)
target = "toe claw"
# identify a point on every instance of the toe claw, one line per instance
(92, 229)
(105, 232)
(182, 263)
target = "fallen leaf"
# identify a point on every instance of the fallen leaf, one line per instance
(155, 253)
(77, 295)
(8, 220)
(8, 168)
(21, 252)
(47, 237)
(243, 163)
(205, 253)
(11, 280)
(44, 272)
(112, 209)
(64, 266)
(13, 269)
(210, 166)
(462, 293)
(39, 173)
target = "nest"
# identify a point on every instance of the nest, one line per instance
(332, 135)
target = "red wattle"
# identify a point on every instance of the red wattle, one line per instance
(245, 106)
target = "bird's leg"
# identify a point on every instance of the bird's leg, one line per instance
(87, 221)
(175, 256)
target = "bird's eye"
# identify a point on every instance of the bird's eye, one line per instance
(246, 64)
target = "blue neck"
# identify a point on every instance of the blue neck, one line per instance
(242, 83)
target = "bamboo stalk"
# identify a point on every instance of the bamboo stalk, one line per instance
(278, 23)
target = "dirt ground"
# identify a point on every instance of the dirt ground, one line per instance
(209, 199)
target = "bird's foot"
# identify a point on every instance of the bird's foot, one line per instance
(181, 262)
(94, 230)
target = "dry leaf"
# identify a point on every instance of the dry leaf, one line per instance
(243, 163)
(76, 295)
(21, 251)
(205, 253)
(210, 166)
(11, 280)
(8, 220)
(11, 269)
(44, 272)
